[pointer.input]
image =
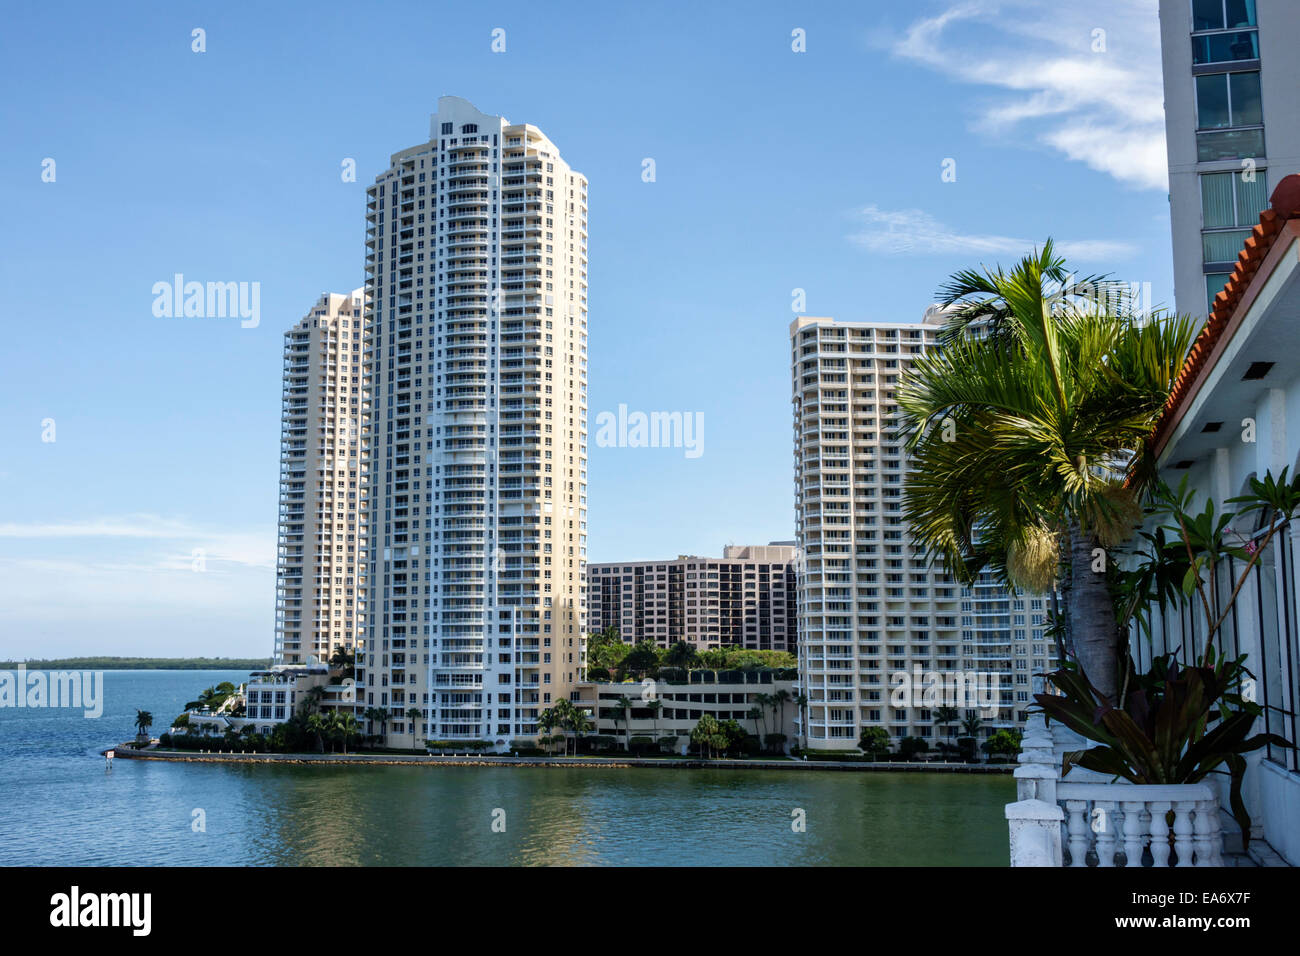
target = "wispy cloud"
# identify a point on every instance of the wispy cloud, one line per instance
(914, 232)
(251, 548)
(1094, 96)
(90, 584)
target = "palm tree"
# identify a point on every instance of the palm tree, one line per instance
(311, 700)
(316, 724)
(756, 714)
(143, 721)
(972, 725)
(414, 715)
(622, 711)
(946, 717)
(779, 699)
(347, 727)
(1029, 436)
(654, 707)
(765, 701)
(801, 701)
(581, 725)
(681, 654)
(375, 715)
(562, 716)
(344, 659)
(546, 722)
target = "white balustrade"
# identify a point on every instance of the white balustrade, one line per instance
(1099, 820)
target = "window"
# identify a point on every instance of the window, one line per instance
(1230, 205)
(1214, 283)
(1222, 14)
(1224, 103)
(1225, 47)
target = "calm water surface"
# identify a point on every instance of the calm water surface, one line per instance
(58, 805)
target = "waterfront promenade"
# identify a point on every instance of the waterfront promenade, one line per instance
(504, 760)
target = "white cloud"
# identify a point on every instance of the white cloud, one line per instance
(255, 549)
(131, 584)
(913, 232)
(1104, 108)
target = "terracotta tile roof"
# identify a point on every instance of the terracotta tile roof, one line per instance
(1285, 206)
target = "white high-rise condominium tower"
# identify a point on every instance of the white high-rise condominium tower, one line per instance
(321, 567)
(476, 271)
(1232, 129)
(872, 611)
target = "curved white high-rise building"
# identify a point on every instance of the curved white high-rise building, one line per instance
(476, 273)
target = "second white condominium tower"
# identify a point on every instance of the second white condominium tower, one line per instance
(321, 569)
(476, 270)
(876, 617)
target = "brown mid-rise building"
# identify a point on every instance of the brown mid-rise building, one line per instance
(746, 598)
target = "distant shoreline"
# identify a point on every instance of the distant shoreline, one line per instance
(142, 664)
(189, 756)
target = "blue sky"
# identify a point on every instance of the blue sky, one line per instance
(775, 171)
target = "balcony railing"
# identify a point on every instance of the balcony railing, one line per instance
(1090, 820)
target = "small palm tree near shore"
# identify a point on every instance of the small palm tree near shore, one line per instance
(756, 714)
(143, 721)
(316, 725)
(414, 715)
(622, 714)
(376, 715)
(946, 717)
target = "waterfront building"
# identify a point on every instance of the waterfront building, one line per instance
(1232, 129)
(1235, 414)
(273, 696)
(873, 612)
(723, 695)
(476, 281)
(321, 562)
(746, 598)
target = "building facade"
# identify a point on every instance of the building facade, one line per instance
(476, 275)
(1232, 129)
(321, 561)
(884, 637)
(672, 709)
(1235, 415)
(746, 598)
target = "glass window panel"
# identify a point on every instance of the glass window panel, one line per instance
(1245, 99)
(1229, 144)
(1212, 101)
(1216, 200)
(1214, 284)
(1225, 47)
(1252, 198)
(1241, 13)
(1223, 246)
(1207, 15)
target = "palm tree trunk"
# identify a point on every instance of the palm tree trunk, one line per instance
(1092, 615)
(1058, 630)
